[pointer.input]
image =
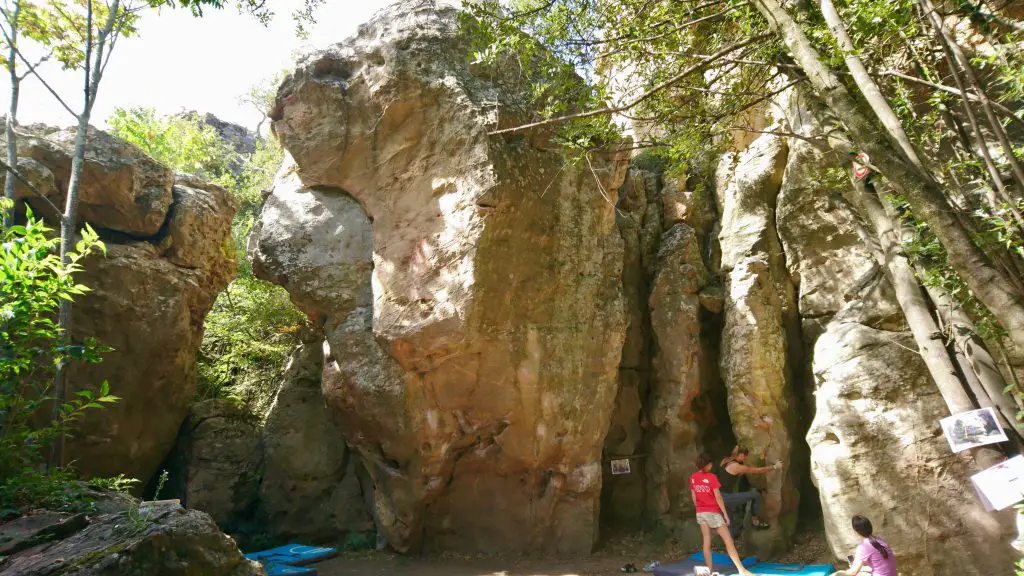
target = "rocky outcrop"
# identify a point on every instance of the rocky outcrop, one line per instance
(760, 328)
(877, 451)
(468, 286)
(876, 448)
(219, 460)
(164, 266)
(312, 486)
(122, 188)
(154, 539)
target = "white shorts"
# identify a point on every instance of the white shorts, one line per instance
(710, 519)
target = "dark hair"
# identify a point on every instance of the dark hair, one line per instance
(703, 460)
(863, 527)
(740, 449)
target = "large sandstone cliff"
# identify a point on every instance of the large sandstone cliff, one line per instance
(496, 330)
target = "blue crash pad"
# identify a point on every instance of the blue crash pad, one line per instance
(284, 570)
(798, 569)
(293, 555)
(723, 565)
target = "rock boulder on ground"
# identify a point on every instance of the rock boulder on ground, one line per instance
(156, 539)
(468, 286)
(311, 483)
(166, 262)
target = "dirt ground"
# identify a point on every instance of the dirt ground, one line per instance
(810, 548)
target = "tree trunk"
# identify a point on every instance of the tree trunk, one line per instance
(874, 97)
(12, 114)
(915, 308)
(919, 318)
(926, 198)
(976, 364)
(68, 225)
(949, 44)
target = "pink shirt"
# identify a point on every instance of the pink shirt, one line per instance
(872, 557)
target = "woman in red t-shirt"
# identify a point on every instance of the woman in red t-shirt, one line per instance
(711, 512)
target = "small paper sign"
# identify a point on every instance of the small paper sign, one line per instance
(860, 166)
(1002, 485)
(620, 466)
(972, 429)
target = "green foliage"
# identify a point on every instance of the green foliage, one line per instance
(184, 144)
(119, 483)
(249, 335)
(357, 541)
(33, 282)
(251, 328)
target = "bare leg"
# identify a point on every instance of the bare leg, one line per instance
(705, 531)
(723, 533)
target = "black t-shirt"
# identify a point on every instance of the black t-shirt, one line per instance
(730, 482)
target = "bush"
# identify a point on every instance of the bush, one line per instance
(33, 282)
(251, 328)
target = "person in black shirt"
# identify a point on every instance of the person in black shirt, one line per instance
(736, 491)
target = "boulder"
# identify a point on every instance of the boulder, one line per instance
(468, 284)
(165, 264)
(877, 450)
(218, 461)
(150, 312)
(122, 189)
(154, 539)
(311, 488)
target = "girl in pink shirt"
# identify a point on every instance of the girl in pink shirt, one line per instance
(872, 552)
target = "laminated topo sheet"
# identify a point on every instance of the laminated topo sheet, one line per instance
(724, 566)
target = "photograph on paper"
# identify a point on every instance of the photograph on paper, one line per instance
(972, 429)
(620, 466)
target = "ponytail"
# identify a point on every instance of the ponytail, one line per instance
(878, 546)
(862, 526)
(740, 449)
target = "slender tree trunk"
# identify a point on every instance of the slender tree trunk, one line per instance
(878, 102)
(926, 198)
(949, 44)
(68, 226)
(12, 113)
(919, 318)
(915, 308)
(976, 364)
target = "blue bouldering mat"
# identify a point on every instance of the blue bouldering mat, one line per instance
(723, 565)
(798, 569)
(284, 570)
(293, 555)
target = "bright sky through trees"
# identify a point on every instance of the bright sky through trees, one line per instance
(204, 64)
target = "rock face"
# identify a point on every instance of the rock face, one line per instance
(875, 428)
(496, 332)
(760, 327)
(165, 265)
(220, 460)
(468, 286)
(876, 447)
(166, 540)
(311, 485)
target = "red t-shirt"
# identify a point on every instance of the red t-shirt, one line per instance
(704, 484)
